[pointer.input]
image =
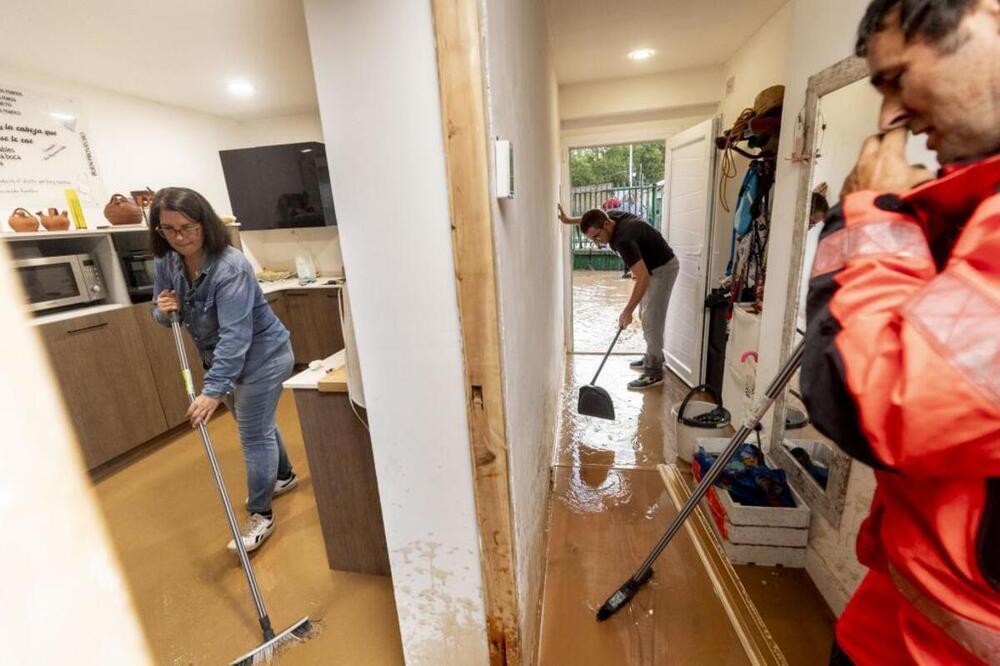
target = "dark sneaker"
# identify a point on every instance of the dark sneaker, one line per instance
(637, 365)
(645, 382)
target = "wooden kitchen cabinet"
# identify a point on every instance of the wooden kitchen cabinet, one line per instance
(277, 302)
(162, 355)
(107, 384)
(314, 323)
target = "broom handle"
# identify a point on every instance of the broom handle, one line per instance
(715, 471)
(265, 622)
(605, 359)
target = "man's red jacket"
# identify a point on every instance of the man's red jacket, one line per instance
(902, 371)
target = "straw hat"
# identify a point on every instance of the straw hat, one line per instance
(768, 100)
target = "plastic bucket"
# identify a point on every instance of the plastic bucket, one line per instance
(696, 418)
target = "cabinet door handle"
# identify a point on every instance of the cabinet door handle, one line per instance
(297, 295)
(85, 329)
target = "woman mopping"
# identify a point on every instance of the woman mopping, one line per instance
(243, 346)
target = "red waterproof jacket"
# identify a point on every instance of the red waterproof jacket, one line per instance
(902, 371)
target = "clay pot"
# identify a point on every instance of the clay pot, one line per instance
(54, 221)
(21, 220)
(122, 211)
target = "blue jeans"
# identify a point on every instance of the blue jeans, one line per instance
(253, 403)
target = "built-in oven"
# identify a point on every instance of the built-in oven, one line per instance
(51, 283)
(138, 269)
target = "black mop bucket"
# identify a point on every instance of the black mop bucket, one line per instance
(693, 418)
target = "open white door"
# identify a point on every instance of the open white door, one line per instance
(687, 225)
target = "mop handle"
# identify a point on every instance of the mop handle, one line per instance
(605, 359)
(265, 622)
(719, 466)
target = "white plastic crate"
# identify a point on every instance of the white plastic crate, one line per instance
(762, 535)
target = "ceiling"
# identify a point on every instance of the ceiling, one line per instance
(182, 52)
(591, 38)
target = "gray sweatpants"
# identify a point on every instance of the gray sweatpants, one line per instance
(654, 313)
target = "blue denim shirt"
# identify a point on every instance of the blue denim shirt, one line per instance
(226, 314)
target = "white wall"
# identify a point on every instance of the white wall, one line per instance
(640, 94)
(758, 64)
(72, 604)
(282, 129)
(138, 143)
(522, 107)
(405, 308)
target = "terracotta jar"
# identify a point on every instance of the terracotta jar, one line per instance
(122, 211)
(21, 220)
(54, 221)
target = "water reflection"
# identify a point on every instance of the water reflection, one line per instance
(636, 437)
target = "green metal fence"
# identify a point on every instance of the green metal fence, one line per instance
(645, 201)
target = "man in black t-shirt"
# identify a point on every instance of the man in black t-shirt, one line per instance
(654, 268)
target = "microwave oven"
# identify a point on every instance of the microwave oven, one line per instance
(58, 282)
(138, 267)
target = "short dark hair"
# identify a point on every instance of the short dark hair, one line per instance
(932, 20)
(196, 207)
(595, 217)
(819, 204)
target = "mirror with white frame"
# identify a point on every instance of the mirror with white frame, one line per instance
(841, 111)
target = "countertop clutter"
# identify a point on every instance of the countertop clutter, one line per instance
(318, 371)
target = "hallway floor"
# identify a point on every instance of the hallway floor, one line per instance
(608, 506)
(598, 297)
(170, 533)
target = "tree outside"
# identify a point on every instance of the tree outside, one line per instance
(610, 164)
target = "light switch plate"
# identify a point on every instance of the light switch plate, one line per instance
(503, 159)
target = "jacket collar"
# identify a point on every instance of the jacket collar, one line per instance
(952, 197)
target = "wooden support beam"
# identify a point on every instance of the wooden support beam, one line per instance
(460, 74)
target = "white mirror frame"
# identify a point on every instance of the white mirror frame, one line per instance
(829, 502)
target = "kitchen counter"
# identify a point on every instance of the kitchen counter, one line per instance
(266, 287)
(309, 378)
(293, 283)
(339, 450)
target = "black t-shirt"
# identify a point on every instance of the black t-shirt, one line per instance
(635, 239)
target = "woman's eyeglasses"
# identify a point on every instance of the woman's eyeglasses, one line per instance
(185, 230)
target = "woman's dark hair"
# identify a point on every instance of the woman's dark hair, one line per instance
(595, 217)
(933, 20)
(194, 206)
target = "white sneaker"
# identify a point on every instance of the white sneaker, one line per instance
(281, 486)
(256, 530)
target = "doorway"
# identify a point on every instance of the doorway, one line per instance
(626, 176)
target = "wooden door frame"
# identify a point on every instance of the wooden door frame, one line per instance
(463, 114)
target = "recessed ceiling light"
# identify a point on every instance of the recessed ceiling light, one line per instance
(62, 116)
(241, 88)
(641, 54)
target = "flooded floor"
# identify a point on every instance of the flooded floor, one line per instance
(609, 505)
(598, 299)
(169, 530)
